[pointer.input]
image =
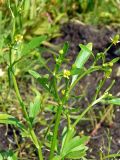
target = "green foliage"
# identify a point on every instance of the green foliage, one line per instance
(82, 58)
(73, 147)
(9, 155)
(29, 25)
(112, 100)
(35, 42)
(43, 80)
(8, 119)
(35, 107)
(60, 59)
(99, 12)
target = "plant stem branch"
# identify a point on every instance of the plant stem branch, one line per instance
(32, 133)
(87, 109)
(101, 121)
(55, 132)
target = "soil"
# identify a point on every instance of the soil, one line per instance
(3, 139)
(76, 33)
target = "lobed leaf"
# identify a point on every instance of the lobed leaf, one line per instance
(67, 136)
(74, 144)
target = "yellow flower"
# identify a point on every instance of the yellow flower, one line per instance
(66, 74)
(19, 38)
(115, 39)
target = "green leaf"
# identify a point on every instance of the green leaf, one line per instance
(74, 144)
(56, 158)
(67, 136)
(115, 101)
(83, 55)
(34, 74)
(35, 107)
(43, 80)
(82, 58)
(8, 119)
(51, 108)
(76, 154)
(115, 60)
(73, 148)
(35, 42)
(1, 157)
(65, 48)
(77, 71)
(63, 51)
(9, 155)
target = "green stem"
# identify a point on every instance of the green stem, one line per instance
(87, 109)
(49, 126)
(57, 118)
(37, 143)
(13, 18)
(90, 70)
(19, 97)
(55, 132)
(100, 85)
(32, 133)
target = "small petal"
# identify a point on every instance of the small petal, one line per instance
(1, 72)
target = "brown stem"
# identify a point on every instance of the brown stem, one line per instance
(101, 121)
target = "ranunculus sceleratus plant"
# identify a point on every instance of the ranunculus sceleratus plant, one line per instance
(68, 145)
